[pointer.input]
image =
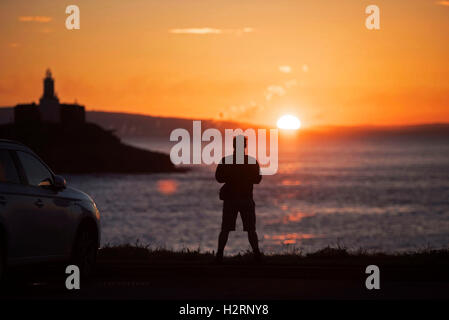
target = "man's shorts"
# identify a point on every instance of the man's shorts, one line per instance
(231, 208)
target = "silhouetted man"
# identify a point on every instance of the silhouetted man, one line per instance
(237, 195)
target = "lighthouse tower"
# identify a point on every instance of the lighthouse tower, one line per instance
(49, 103)
(50, 110)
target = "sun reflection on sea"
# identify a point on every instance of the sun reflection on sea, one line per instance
(289, 238)
(291, 217)
(167, 186)
(288, 182)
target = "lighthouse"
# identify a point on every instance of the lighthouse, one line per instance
(49, 103)
(49, 109)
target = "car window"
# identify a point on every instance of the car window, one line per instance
(8, 170)
(36, 173)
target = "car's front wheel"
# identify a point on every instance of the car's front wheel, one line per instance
(85, 250)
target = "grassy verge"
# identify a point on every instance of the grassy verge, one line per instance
(328, 255)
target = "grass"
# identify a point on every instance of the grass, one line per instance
(337, 255)
(141, 251)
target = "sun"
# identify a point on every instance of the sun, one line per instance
(289, 122)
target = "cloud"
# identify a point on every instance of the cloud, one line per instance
(40, 19)
(305, 68)
(285, 69)
(247, 30)
(196, 31)
(290, 83)
(279, 90)
(207, 30)
(13, 45)
(45, 30)
(253, 109)
(244, 111)
(274, 90)
(443, 3)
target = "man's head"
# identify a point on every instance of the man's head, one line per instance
(239, 140)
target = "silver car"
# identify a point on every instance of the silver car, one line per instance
(42, 220)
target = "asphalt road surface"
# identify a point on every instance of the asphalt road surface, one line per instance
(207, 281)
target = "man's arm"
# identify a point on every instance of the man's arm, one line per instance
(220, 173)
(257, 175)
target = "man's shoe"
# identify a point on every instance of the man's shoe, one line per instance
(219, 258)
(258, 257)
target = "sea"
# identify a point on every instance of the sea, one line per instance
(381, 196)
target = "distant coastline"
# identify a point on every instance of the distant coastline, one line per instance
(131, 125)
(86, 148)
(128, 125)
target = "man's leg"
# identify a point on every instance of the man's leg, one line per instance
(254, 242)
(248, 213)
(222, 239)
(227, 225)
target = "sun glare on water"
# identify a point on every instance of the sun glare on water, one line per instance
(288, 122)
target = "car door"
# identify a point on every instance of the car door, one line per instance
(47, 223)
(15, 207)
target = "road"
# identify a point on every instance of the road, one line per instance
(117, 279)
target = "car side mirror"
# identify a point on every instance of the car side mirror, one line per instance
(59, 182)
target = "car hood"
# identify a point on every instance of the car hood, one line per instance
(77, 194)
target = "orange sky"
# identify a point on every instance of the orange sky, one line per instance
(255, 61)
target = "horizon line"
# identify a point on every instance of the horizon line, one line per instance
(320, 126)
